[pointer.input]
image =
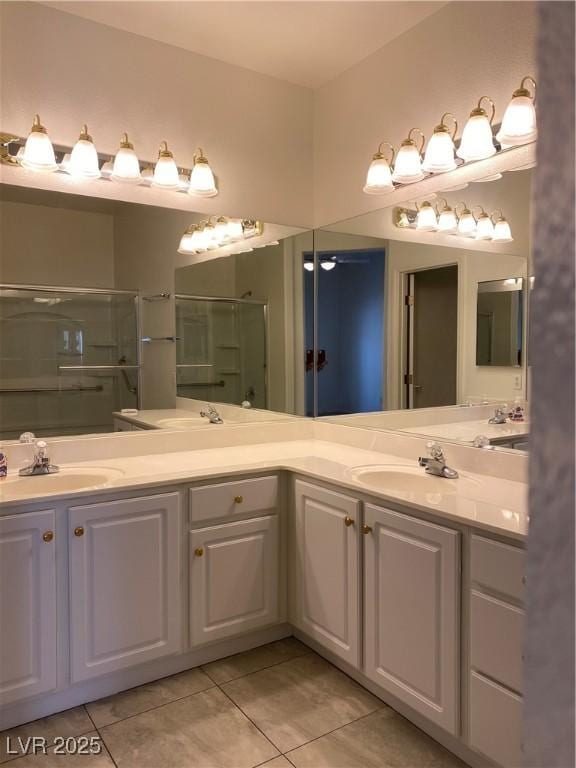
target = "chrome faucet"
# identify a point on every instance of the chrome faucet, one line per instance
(500, 416)
(435, 464)
(212, 415)
(40, 463)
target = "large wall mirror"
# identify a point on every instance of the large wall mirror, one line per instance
(414, 324)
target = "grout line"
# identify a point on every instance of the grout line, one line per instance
(253, 723)
(104, 745)
(255, 671)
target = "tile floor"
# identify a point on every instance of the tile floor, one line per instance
(279, 706)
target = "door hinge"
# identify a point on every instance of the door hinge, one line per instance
(408, 378)
(409, 301)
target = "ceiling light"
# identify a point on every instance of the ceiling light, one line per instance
(519, 121)
(379, 176)
(502, 231)
(165, 170)
(38, 152)
(439, 156)
(408, 166)
(202, 182)
(466, 222)
(447, 221)
(126, 165)
(328, 265)
(84, 158)
(309, 266)
(426, 220)
(477, 141)
(484, 225)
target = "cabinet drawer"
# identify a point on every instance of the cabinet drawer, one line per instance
(226, 500)
(495, 722)
(498, 567)
(497, 640)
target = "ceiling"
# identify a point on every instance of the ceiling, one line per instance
(304, 42)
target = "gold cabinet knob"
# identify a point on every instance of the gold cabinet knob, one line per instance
(348, 522)
(199, 551)
(238, 499)
(48, 536)
(79, 531)
(366, 529)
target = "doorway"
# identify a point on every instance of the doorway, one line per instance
(431, 300)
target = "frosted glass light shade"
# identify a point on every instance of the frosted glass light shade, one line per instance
(379, 176)
(484, 227)
(466, 224)
(235, 229)
(408, 166)
(199, 240)
(38, 152)
(439, 155)
(126, 165)
(187, 241)
(209, 239)
(328, 265)
(447, 221)
(84, 158)
(221, 230)
(477, 141)
(166, 171)
(502, 232)
(519, 121)
(309, 266)
(426, 220)
(202, 181)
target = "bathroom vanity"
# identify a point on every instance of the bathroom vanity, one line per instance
(412, 584)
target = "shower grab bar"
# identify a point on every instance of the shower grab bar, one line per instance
(220, 383)
(35, 390)
(98, 367)
(149, 339)
(157, 297)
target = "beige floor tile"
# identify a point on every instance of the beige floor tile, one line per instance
(69, 760)
(300, 700)
(201, 731)
(381, 740)
(136, 700)
(277, 762)
(72, 722)
(224, 670)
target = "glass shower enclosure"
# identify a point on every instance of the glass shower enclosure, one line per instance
(69, 358)
(221, 352)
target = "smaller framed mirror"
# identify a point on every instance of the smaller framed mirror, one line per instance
(499, 322)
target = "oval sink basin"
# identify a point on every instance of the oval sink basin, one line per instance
(68, 479)
(407, 480)
(183, 423)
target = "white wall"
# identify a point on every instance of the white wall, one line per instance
(445, 63)
(255, 130)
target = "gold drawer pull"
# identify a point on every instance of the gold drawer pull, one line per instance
(366, 529)
(348, 522)
(199, 551)
(79, 531)
(48, 536)
(238, 499)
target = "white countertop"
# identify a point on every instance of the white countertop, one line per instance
(487, 502)
(183, 418)
(466, 431)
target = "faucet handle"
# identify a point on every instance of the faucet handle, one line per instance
(435, 450)
(27, 437)
(41, 449)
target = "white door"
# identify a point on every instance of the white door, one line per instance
(27, 605)
(125, 595)
(412, 612)
(326, 559)
(233, 578)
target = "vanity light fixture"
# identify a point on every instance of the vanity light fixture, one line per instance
(328, 265)
(379, 176)
(502, 231)
(447, 221)
(439, 155)
(519, 121)
(484, 225)
(166, 173)
(38, 154)
(477, 141)
(309, 266)
(408, 165)
(221, 232)
(83, 162)
(235, 229)
(202, 182)
(126, 165)
(187, 241)
(466, 221)
(209, 236)
(426, 220)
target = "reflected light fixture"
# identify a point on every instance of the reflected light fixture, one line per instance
(235, 229)
(426, 220)
(309, 266)
(466, 221)
(221, 230)
(477, 141)
(202, 182)
(439, 155)
(83, 161)
(187, 241)
(408, 165)
(502, 231)
(328, 265)
(519, 121)
(484, 225)
(38, 152)
(379, 176)
(107, 168)
(126, 165)
(447, 221)
(165, 171)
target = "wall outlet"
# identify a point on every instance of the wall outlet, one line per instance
(518, 382)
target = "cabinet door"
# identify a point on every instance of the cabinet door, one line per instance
(233, 578)
(327, 600)
(411, 612)
(125, 592)
(27, 605)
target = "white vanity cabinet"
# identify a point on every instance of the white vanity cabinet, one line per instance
(411, 612)
(125, 592)
(326, 559)
(27, 605)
